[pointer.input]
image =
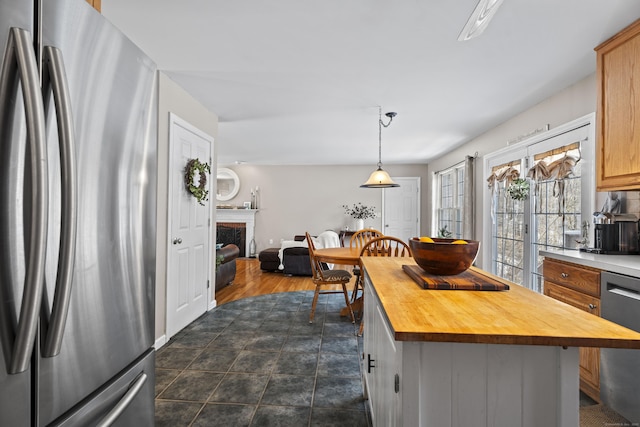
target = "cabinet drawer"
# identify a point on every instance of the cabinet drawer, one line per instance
(589, 356)
(579, 278)
(579, 300)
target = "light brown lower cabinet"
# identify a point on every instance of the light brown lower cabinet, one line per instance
(579, 287)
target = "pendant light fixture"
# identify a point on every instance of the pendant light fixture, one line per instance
(380, 178)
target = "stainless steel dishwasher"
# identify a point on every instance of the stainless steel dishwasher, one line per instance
(620, 368)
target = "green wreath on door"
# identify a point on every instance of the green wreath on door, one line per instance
(199, 191)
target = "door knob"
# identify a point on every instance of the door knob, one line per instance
(177, 241)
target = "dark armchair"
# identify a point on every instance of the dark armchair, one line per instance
(226, 265)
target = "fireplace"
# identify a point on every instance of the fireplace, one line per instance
(232, 221)
(232, 232)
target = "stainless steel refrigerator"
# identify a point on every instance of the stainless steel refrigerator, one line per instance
(78, 106)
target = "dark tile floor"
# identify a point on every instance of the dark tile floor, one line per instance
(258, 362)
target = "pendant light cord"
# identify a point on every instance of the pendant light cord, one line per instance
(380, 178)
(380, 124)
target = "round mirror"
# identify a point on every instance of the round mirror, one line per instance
(228, 184)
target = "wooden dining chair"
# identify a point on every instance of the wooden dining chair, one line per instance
(358, 240)
(384, 246)
(361, 237)
(325, 277)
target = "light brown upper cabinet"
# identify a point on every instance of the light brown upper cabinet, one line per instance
(97, 4)
(618, 111)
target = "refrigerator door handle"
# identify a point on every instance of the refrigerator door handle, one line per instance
(124, 402)
(54, 78)
(20, 63)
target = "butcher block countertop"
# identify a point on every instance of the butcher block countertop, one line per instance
(516, 316)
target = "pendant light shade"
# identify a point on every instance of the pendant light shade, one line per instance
(380, 178)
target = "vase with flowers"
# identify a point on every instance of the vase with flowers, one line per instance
(359, 212)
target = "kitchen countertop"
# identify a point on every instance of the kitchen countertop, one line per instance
(621, 264)
(516, 316)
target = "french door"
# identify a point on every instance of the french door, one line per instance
(559, 169)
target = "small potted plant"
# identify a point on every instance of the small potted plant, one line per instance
(444, 233)
(359, 212)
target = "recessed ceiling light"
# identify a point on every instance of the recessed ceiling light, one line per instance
(479, 19)
(240, 162)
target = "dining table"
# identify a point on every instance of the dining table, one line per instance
(340, 255)
(349, 256)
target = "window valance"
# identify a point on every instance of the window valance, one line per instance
(556, 164)
(506, 172)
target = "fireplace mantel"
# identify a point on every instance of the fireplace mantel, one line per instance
(246, 216)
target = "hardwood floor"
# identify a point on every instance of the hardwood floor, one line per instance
(251, 281)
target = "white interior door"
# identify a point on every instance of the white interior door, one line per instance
(189, 259)
(401, 215)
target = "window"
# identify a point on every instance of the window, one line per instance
(558, 166)
(450, 202)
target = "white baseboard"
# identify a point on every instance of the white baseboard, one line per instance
(160, 342)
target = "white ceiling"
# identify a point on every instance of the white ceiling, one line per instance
(300, 81)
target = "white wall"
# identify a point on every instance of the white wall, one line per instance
(172, 98)
(295, 199)
(576, 101)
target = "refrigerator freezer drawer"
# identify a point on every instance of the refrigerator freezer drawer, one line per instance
(620, 368)
(127, 399)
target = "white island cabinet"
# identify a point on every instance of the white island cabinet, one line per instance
(472, 358)
(382, 365)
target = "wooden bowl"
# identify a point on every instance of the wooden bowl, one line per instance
(442, 258)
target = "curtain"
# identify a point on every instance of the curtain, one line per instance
(507, 173)
(556, 164)
(468, 209)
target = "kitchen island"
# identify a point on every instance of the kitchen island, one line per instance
(481, 358)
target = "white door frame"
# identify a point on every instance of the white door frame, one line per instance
(175, 120)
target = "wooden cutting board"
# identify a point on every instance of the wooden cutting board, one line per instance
(468, 280)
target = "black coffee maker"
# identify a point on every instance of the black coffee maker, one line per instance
(615, 234)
